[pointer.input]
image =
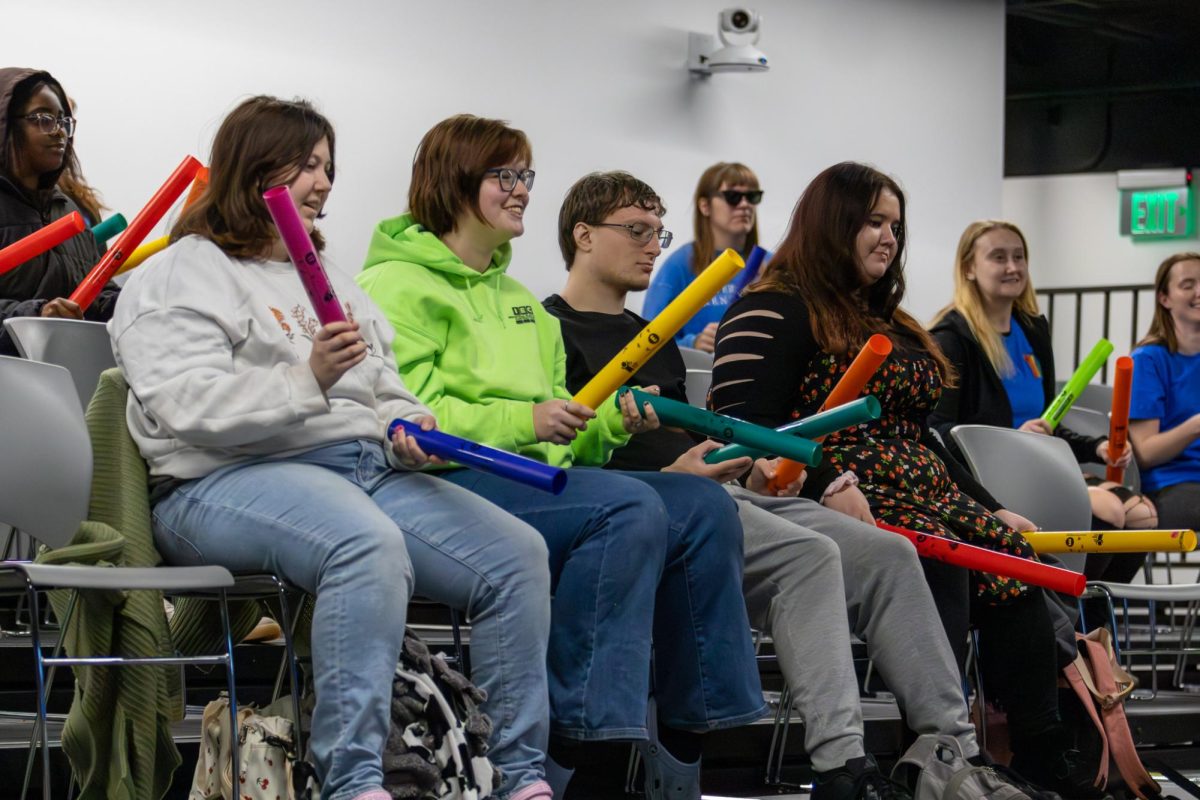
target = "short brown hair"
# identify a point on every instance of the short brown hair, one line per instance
(450, 163)
(594, 197)
(262, 143)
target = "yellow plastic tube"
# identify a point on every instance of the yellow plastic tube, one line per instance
(144, 251)
(659, 330)
(1111, 541)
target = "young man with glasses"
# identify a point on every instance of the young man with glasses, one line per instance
(812, 575)
(36, 146)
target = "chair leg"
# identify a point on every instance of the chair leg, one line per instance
(464, 666)
(289, 631)
(37, 724)
(977, 669)
(232, 686)
(40, 678)
(779, 731)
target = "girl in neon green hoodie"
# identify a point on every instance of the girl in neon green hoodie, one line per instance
(632, 555)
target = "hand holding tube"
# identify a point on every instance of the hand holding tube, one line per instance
(336, 349)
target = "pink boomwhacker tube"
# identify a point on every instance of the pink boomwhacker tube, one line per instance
(89, 288)
(981, 559)
(303, 254)
(40, 241)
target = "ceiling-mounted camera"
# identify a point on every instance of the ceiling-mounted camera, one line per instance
(739, 30)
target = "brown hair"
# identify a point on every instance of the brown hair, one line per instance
(818, 261)
(733, 174)
(449, 166)
(263, 142)
(969, 302)
(593, 197)
(1162, 327)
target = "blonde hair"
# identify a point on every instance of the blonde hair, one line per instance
(969, 302)
(1162, 325)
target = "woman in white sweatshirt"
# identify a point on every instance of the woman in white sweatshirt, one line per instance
(266, 439)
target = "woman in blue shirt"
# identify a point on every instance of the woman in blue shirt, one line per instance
(724, 216)
(999, 343)
(1164, 411)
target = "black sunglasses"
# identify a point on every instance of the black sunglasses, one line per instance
(734, 197)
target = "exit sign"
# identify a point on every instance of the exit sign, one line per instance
(1157, 213)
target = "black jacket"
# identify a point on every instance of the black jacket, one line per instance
(25, 289)
(980, 398)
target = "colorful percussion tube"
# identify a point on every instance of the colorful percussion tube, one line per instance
(304, 256)
(861, 410)
(40, 241)
(750, 273)
(660, 330)
(981, 559)
(1118, 420)
(144, 251)
(848, 387)
(103, 231)
(131, 237)
(486, 459)
(682, 415)
(1112, 541)
(1074, 387)
(199, 184)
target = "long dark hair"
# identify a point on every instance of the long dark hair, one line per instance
(818, 261)
(263, 142)
(15, 137)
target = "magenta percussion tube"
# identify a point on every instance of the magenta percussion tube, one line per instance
(303, 254)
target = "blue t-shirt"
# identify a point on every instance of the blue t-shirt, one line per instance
(1024, 387)
(673, 277)
(1166, 387)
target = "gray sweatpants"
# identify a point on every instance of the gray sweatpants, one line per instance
(796, 591)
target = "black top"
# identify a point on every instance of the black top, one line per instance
(980, 397)
(765, 354)
(591, 339)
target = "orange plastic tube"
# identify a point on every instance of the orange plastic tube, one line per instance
(848, 388)
(1118, 421)
(981, 559)
(89, 288)
(199, 184)
(40, 241)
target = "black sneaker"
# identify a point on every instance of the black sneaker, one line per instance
(859, 779)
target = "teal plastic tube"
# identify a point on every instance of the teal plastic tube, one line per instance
(1073, 388)
(103, 231)
(681, 415)
(864, 409)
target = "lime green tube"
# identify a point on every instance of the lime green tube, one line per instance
(680, 415)
(103, 231)
(1074, 387)
(864, 409)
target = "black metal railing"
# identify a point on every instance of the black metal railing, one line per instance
(1132, 293)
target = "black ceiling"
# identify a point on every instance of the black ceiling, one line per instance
(1101, 85)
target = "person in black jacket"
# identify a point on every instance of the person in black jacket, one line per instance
(36, 146)
(999, 344)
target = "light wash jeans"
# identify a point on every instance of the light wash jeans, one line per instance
(635, 555)
(340, 524)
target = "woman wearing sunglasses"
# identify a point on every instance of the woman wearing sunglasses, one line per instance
(724, 216)
(36, 146)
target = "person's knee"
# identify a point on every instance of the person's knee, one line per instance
(1107, 506)
(372, 553)
(638, 523)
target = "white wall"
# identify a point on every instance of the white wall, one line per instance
(913, 86)
(1072, 225)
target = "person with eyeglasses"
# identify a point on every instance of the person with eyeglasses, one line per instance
(37, 146)
(627, 551)
(724, 216)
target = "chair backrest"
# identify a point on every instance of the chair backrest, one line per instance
(1090, 422)
(46, 466)
(1096, 396)
(697, 383)
(696, 359)
(1029, 473)
(82, 347)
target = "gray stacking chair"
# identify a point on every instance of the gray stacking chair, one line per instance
(697, 382)
(1095, 396)
(696, 359)
(1090, 422)
(45, 493)
(82, 347)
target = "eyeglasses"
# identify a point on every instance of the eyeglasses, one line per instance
(641, 233)
(734, 196)
(509, 177)
(48, 123)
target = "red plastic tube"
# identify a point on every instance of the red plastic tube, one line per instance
(89, 288)
(40, 241)
(1118, 421)
(981, 559)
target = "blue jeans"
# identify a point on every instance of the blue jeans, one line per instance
(361, 537)
(635, 555)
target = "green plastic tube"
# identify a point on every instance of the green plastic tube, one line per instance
(864, 409)
(681, 415)
(103, 231)
(1074, 387)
